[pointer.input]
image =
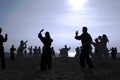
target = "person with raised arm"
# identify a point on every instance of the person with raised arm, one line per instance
(2, 54)
(12, 54)
(46, 57)
(86, 40)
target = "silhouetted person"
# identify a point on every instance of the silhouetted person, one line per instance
(61, 52)
(30, 52)
(66, 49)
(53, 52)
(46, 58)
(39, 51)
(78, 51)
(64, 52)
(35, 52)
(12, 54)
(113, 52)
(116, 51)
(86, 40)
(21, 48)
(2, 54)
(103, 47)
(97, 57)
(25, 53)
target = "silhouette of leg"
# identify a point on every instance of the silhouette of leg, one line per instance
(82, 60)
(89, 61)
(43, 63)
(49, 63)
(3, 61)
(12, 56)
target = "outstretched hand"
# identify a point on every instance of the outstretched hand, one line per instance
(76, 33)
(42, 30)
(6, 35)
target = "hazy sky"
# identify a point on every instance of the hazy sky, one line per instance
(23, 19)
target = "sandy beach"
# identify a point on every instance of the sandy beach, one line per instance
(29, 69)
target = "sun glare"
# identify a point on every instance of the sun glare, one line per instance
(77, 4)
(71, 54)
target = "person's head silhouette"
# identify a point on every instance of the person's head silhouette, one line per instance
(65, 46)
(47, 35)
(96, 40)
(21, 41)
(84, 29)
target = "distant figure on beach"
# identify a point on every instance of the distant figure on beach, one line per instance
(46, 57)
(35, 52)
(64, 52)
(30, 52)
(116, 51)
(21, 48)
(78, 51)
(12, 52)
(25, 53)
(66, 49)
(2, 54)
(39, 51)
(103, 49)
(113, 52)
(97, 56)
(86, 40)
(53, 52)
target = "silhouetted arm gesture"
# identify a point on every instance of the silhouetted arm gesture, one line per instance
(40, 35)
(5, 39)
(42, 30)
(76, 34)
(77, 37)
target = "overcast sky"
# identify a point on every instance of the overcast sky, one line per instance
(23, 19)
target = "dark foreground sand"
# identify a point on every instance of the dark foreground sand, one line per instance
(28, 69)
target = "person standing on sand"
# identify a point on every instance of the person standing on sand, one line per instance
(86, 40)
(46, 57)
(2, 54)
(12, 54)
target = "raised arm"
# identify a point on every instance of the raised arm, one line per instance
(40, 35)
(76, 36)
(6, 38)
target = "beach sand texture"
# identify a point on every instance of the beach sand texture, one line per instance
(29, 69)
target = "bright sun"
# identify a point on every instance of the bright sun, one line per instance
(77, 4)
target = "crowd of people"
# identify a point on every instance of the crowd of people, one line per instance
(83, 52)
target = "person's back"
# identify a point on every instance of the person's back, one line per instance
(46, 57)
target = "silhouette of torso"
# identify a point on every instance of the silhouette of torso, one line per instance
(46, 41)
(2, 39)
(85, 39)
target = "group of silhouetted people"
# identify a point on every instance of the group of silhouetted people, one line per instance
(83, 52)
(101, 52)
(22, 51)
